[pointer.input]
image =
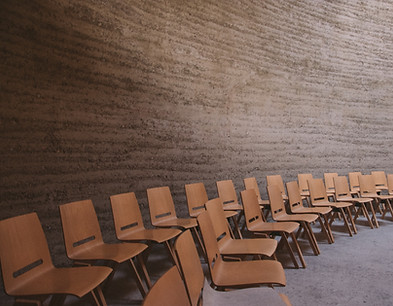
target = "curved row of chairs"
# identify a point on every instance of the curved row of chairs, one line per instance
(233, 262)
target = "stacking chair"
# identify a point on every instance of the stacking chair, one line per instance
(380, 180)
(227, 193)
(258, 227)
(251, 183)
(354, 182)
(129, 225)
(303, 185)
(369, 190)
(277, 180)
(85, 246)
(343, 194)
(200, 292)
(319, 198)
(236, 247)
(28, 271)
(296, 207)
(329, 183)
(279, 214)
(197, 197)
(236, 274)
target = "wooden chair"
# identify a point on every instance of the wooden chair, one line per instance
(354, 182)
(227, 193)
(28, 271)
(343, 194)
(197, 197)
(369, 190)
(329, 183)
(303, 185)
(319, 198)
(236, 247)
(129, 225)
(380, 180)
(85, 246)
(279, 214)
(236, 274)
(277, 180)
(168, 290)
(258, 227)
(251, 183)
(200, 292)
(296, 207)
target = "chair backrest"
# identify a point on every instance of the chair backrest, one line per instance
(80, 226)
(168, 290)
(367, 185)
(276, 180)
(276, 201)
(354, 180)
(294, 197)
(341, 187)
(24, 250)
(196, 198)
(303, 178)
(226, 191)
(251, 183)
(190, 266)
(317, 191)
(127, 216)
(329, 180)
(161, 204)
(252, 210)
(220, 223)
(390, 183)
(379, 179)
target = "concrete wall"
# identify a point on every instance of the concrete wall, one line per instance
(104, 97)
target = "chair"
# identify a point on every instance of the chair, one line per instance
(227, 193)
(354, 182)
(236, 274)
(28, 271)
(390, 184)
(200, 292)
(343, 194)
(168, 290)
(197, 197)
(85, 246)
(258, 227)
(251, 183)
(380, 180)
(129, 225)
(303, 185)
(369, 190)
(277, 180)
(279, 214)
(236, 247)
(296, 207)
(329, 183)
(319, 198)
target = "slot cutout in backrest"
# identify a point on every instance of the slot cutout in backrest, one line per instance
(198, 207)
(228, 202)
(318, 199)
(253, 219)
(83, 241)
(163, 215)
(223, 235)
(129, 226)
(27, 268)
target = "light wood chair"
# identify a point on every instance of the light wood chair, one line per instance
(258, 227)
(227, 193)
(168, 290)
(85, 246)
(303, 183)
(329, 183)
(277, 180)
(251, 183)
(380, 180)
(129, 225)
(343, 194)
(28, 271)
(319, 198)
(236, 274)
(354, 182)
(296, 207)
(280, 215)
(199, 290)
(369, 190)
(236, 247)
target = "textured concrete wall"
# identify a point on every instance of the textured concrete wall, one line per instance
(104, 97)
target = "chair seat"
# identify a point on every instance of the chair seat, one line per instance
(178, 222)
(256, 272)
(158, 235)
(299, 218)
(268, 227)
(230, 213)
(75, 281)
(357, 200)
(263, 202)
(254, 246)
(311, 210)
(332, 204)
(232, 206)
(118, 252)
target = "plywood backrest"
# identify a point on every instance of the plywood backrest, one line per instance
(317, 191)
(367, 185)
(127, 216)
(220, 223)
(251, 183)
(329, 180)
(276, 202)
(276, 180)
(294, 197)
(161, 204)
(226, 191)
(24, 252)
(379, 178)
(196, 198)
(252, 210)
(354, 180)
(80, 226)
(303, 178)
(341, 187)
